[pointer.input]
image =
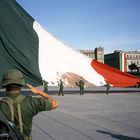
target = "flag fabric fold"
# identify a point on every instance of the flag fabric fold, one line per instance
(18, 41)
(27, 46)
(114, 76)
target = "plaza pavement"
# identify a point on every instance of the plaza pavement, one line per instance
(93, 116)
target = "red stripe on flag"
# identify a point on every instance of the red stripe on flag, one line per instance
(114, 76)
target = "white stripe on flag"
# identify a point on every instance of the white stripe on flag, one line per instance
(55, 58)
(122, 62)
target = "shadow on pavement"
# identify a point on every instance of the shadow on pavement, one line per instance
(119, 137)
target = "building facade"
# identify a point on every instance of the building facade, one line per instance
(133, 57)
(97, 54)
(121, 60)
(116, 60)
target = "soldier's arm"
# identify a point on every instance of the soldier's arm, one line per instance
(37, 91)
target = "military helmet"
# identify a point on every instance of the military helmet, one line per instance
(12, 76)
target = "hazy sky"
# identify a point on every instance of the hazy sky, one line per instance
(86, 24)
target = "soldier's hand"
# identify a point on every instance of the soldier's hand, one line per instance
(33, 89)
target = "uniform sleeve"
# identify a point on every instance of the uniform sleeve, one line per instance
(41, 104)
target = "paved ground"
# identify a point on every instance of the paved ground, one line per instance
(94, 116)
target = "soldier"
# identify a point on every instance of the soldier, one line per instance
(81, 85)
(45, 84)
(138, 84)
(107, 86)
(21, 109)
(61, 88)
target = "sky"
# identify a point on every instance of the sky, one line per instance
(87, 24)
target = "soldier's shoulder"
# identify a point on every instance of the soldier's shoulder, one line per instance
(28, 97)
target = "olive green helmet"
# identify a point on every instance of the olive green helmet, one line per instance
(12, 76)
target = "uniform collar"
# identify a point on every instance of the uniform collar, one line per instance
(13, 95)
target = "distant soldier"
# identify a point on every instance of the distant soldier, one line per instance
(61, 86)
(81, 85)
(107, 86)
(45, 84)
(138, 84)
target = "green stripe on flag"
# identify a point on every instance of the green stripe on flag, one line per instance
(120, 55)
(18, 42)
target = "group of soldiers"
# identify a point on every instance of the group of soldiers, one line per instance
(20, 109)
(80, 84)
(61, 87)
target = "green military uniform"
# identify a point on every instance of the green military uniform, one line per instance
(107, 86)
(29, 107)
(45, 83)
(18, 108)
(81, 85)
(61, 86)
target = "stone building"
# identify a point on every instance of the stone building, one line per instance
(122, 59)
(119, 59)
(97, 53)
(116, 60)
(133, 57)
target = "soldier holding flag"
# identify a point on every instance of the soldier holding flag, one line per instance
(81, 86)
(107, 86)
(61, 86)
(45, 84)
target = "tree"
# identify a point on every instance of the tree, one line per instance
(132, 67)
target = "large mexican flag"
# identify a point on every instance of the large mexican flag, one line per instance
(25, 45)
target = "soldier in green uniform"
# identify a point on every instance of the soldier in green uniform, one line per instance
(81, 85)
(61, 86)
(21, 109)
(107, 87)
(45, 84)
